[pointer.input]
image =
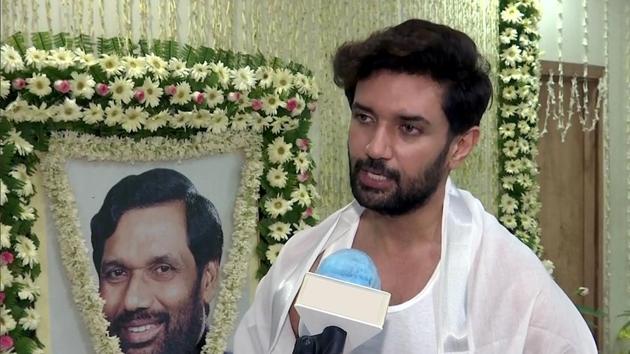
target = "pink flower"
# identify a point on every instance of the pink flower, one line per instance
(234, 96)
(102, 89)
(303, 144)
(312, 106)
(2, 297)
(6, 257)
(291, 104)
(6, 343)
(62, 86)
(18, 83)
(303, 177)
(170, 90)
(139, 95)
(257, 104)
(307, 213)
(199, 97)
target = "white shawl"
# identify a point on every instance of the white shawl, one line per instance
(493, 295)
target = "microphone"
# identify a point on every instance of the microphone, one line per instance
(341, 304)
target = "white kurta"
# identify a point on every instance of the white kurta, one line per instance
(492, 293)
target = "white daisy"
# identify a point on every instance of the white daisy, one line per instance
(218, 121)
(277, 177)
(279, 151)
(22, 146)
(302, 162)
(511, 14)
(5, 230)
(6, 278)
(511, 55)
(61, 58)
(39, 85)
(17, 110)
(113, 114)
(122, 90)
(507, 130)
(213, 96)
(509, 221)
(258, 123)
(273, 251)
(30, 319)
(110, 64)
(83, 59)
(301, 196)
(239, 122)
(277, 124)
(93, 114)
(134, 119)
(7, 323)
(199, 71)
(278, 206)
(243, 79)
(265, 76)
(279, 231)
(200, 118)
(69, 111)
(222, 72)
(36, 58)
(157, 121)
(180, 120)
(512, 166)
(134, 66)
(82, 85)
(178, 67)
(509, 93)
(152, 92)
(19, 172)
(510, 149)
(282, 80)
(182, 94)
(508, 205)
(5, 87)
(302, 83)
(4, 191)
(271, 104)
(508, 35)
(26, 251)
(157, 66)
(10, 59)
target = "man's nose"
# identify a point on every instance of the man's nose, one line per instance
(138, 295)
(379, 147)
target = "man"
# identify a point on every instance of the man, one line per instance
(459, 281)
(157, 248)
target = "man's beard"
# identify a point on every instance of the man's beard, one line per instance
(181, 328)
(405, 197)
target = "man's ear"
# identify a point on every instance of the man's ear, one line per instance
(462, 146)
(209, 281)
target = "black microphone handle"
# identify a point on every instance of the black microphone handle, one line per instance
(330, 341)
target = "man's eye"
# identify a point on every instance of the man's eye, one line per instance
(410, 129)
(163, 268)
(115, 275)
(362, 118)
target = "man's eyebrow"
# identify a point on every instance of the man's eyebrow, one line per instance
(113, 263)
(358, 106)
(414, 118)
(167, 258)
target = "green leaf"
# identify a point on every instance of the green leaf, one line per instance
(144, 47)
(205, 54)
(63, 40)
(188, 55)
(84, 42)
(18, 42)
(42, 40)
(170, 49)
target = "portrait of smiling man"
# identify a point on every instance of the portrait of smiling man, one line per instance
(157, 250)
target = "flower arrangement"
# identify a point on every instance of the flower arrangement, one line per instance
(519, 72)
(149, 94)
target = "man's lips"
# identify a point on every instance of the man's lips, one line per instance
(141, 331)
(374, 180)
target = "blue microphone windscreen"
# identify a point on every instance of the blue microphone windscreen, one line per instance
(351, 265)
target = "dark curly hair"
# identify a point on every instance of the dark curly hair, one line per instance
(160, 185)
(421, 47)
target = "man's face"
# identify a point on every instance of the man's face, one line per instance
(154, 298)
(398, 142)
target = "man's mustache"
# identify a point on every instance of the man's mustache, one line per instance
(124, 318)
(376, 166)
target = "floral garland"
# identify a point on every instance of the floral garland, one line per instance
(143, 90)
(519, 71)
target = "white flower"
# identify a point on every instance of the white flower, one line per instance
(19, 172)
(17, 110)
(279, 231)
(182, 94)
(178, 67)
(218, 121)
(61, 58)
(243, 79)
(511, 14)
(36, 58)
(509, 221)
(114, 114)
(110, 64)
(282, 80)
(511, 55)
(507, 130)
(4, 191)
(29, 289)
(180, 119)
(122, 90)
(509, 93)
(41, 113)
(152, 92)
(30, 320)
(583, 291)
(509, 205)
(69, 111)
(5, 230)
(279, 151)
(134, 119)
(301, 196)
(213, 96)
(277, 177)
(93, 114)
(273, 251)
(157, 66)
(7, 323)
(39, 85)
(222, 72)
(5, 87)
(200, 118)
(302, 83)
(82, 85)
(85, 60)
(523, 127)
(265, 76)
(134, 66)
(26, 251)
(10, 59)
(271, 104)
(277, 206)
(157, 121)
(22, 146)
(508, 35)
(27, 213)
(302, 162)
(508, 110)
(239, 122)
(513, 166)
(199, 71)
(510, 149)
(549, 266)
(301, 226)
(6, 278)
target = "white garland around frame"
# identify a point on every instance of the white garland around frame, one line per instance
(70, 145)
